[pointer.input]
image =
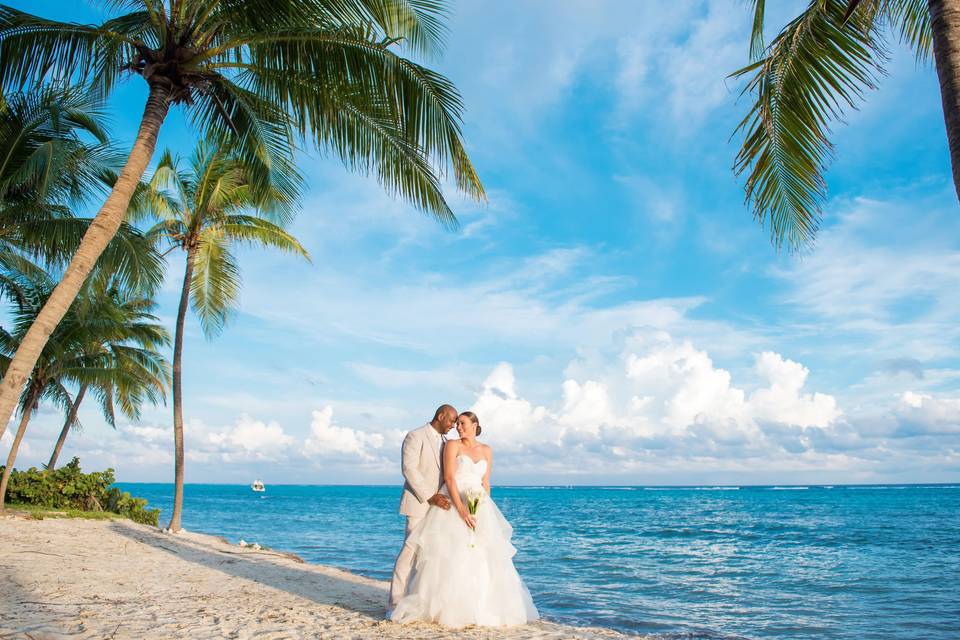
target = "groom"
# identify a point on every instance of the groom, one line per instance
(420, 460)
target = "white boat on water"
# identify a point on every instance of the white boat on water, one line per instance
(258, 486)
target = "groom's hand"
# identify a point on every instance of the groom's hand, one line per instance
(440, 500)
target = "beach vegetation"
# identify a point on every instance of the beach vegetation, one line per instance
(818, 66)
(72, 493)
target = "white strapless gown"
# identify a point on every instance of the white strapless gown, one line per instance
(464, 577)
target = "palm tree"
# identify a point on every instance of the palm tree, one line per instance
(130, 370)
(69, 358)
(203, 210)
(820, 64)
(54, 157)
(258, 72)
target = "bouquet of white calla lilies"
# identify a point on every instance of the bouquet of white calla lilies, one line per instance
(473, 496)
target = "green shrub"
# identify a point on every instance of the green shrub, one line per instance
(70, 488)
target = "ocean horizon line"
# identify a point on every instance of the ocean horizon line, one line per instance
(704, 486)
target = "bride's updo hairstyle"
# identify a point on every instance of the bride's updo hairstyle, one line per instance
(473, 419)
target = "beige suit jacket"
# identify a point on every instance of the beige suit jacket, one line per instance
(420, 462)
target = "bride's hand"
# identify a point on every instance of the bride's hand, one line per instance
(468, 519)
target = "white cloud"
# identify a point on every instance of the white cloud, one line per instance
(150, 434)
(923, 414)
(784, 400)
(685, 386)
(658, 388)
(662, 405)
(330, 441)
(250, 439)
(246, 440)
(511, 421)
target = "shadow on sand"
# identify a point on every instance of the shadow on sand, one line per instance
(263, 568)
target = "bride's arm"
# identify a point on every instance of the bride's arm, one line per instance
(450, 451)
(488, 453)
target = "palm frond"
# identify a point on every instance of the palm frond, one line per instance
(816, 67)
(911, 20)
(308, 69)
(34, 49)
(756, 30)
(43, 154)
(257, 231)
(215, 286)
(257, 134)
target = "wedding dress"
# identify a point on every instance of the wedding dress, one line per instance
(463, 577)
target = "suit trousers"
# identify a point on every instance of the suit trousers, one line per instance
(404, 564)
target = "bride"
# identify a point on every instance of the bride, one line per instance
(463, 570)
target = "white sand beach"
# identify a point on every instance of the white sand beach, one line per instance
(117, 579)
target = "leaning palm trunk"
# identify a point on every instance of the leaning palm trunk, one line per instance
(95, 240)
(178, 393)
(945, 27)
(12, 456)
(69, 422)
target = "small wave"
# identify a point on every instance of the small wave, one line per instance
(540, 488)
(691, 488)
(617, 488)
(789, 488)
(875, 487)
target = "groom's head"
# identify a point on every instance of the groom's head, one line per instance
(444, 418)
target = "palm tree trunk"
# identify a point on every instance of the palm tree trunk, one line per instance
(945, 25)
(94, 241)
(178, 394)
(12, 456)
(71, 418)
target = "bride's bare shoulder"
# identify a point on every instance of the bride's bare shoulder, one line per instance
(487, 450)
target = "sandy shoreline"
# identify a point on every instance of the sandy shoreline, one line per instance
(118, 579)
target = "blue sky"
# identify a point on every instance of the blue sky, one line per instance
(613, 314)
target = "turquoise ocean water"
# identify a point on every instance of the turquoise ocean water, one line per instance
(850, 562)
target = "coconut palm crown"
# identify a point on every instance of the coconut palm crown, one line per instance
(211, 201)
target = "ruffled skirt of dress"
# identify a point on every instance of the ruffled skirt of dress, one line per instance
(462, 577)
